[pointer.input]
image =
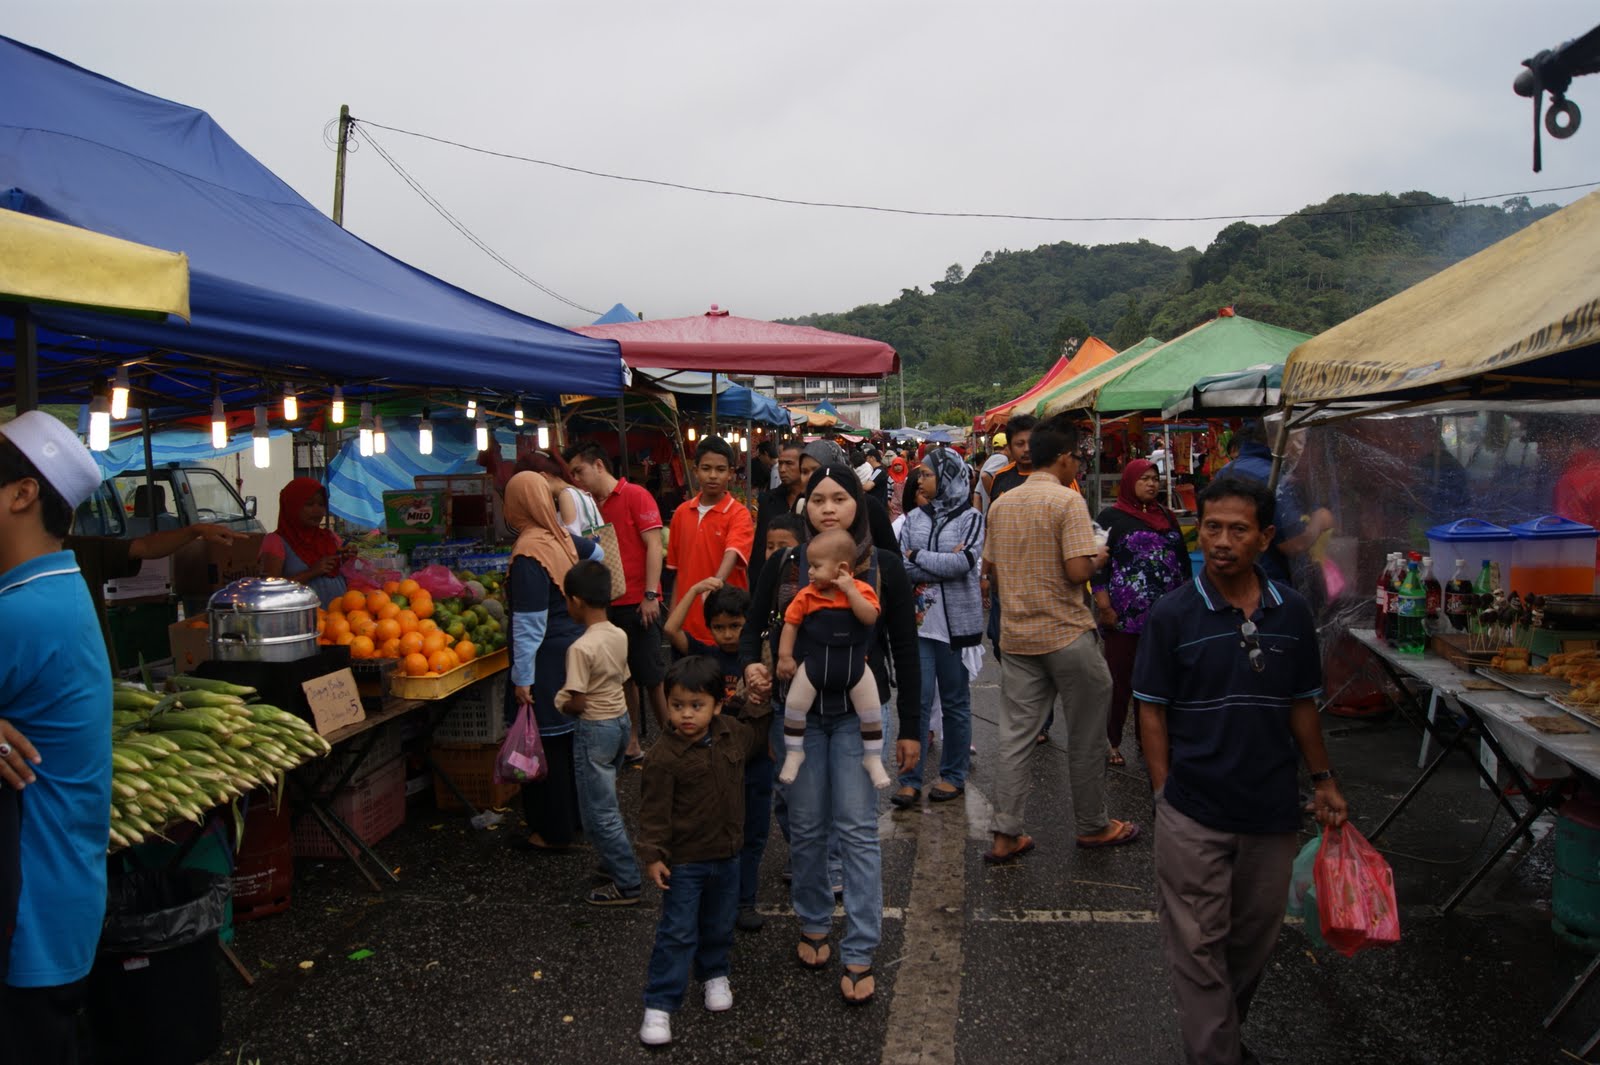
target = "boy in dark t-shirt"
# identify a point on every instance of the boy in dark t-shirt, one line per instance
(725, 609)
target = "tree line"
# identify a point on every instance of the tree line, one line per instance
(975, 338)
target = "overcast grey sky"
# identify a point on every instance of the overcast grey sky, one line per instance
(1057, 108)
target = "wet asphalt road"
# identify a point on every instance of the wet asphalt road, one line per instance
(487, 955)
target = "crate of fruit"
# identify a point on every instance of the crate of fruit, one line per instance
(475, 714)
(405, 686)
(373, 807)
(470, 768)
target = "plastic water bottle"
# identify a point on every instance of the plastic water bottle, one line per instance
(1412, 624)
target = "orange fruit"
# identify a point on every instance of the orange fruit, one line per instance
(337, 606)
(439, 662)
(430, 673)
(465, 650)
(356, 617)
(323, 641)
(361, 647)
(345, 638)
(387, 629)
(455, 660)
(410, 643)
(387, 610)
(369, 629)
(336, 625)
(408, 588)
(415, 665)
(389, 648)
(354, 601)
(434, 641)
(390, 587)
(407, 620)
(422, 606)
(427, 625)
(376, 602)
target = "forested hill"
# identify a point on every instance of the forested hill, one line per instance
(976, 338)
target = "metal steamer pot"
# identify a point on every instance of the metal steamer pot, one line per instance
(263, 619)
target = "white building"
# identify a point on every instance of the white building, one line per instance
(855, 398)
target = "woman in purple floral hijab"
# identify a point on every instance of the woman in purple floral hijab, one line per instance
(1148, 560)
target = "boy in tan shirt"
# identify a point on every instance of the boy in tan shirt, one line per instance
(597, 673)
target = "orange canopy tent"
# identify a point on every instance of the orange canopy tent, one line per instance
(1090, 353)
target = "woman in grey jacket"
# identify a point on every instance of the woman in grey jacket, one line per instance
(943, 546)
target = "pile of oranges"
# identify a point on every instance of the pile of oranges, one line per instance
(397, 623)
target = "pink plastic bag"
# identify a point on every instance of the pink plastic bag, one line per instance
(521, 758)
(363, 576)
(1355, 892)
(438, 581)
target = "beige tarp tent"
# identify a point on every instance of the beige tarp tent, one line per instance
(47, 262)
(1513, 321)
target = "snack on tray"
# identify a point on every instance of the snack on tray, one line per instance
(1507, 664)
(1556, 725)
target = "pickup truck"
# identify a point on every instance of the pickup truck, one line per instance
(124, 505)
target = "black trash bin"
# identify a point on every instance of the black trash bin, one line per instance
(154, 994)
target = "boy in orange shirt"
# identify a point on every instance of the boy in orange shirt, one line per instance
(712, 534)
(832, 620)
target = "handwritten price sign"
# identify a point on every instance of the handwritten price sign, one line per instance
(334, 701)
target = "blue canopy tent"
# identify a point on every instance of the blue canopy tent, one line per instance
(740, 403)
(278, 292)
(618, 313)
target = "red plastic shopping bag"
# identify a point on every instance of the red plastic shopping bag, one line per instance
(1355, 892)
(521, 759)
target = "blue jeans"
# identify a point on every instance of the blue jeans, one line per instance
(598, 749)
(834, 795)
(944, 672)
(780, 814)
(696, 927)
(758, 780)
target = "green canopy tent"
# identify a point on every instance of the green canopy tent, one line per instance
(1226, 344)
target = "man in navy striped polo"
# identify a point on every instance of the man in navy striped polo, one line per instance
(1226, 679)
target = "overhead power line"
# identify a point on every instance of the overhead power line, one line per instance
(461, 227)
(1002, 215)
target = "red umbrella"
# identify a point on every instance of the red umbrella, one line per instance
(719, 342)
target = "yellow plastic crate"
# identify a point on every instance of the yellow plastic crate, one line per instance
(405, 687)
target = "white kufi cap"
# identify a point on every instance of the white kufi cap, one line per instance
(57, 453)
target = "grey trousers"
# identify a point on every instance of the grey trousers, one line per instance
(1029, 685)
(1220, 897)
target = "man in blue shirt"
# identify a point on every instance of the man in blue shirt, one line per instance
(1297, 527)
(1226, 677)
(55, 689)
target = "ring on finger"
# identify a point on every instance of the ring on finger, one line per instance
(5, 750)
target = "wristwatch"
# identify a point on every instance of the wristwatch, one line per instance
(652, 596)
(1318, 778)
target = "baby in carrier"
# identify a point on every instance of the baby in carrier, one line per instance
(826, 630)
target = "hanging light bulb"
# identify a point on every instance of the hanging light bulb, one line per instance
(516, 414)
(482, 432)
(544, 436)
(119, 394)
(380, 439)
(219, 424)
(744, 444)
(338, 406)
(692, 434)
(425, 433)
(260, 446)
(365, 429)
(472, 408)
(99, 423)
(291, 403)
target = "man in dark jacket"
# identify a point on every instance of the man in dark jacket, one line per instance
(780, 500)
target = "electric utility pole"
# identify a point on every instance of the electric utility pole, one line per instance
(338, 166)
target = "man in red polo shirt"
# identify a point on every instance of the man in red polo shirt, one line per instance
(632, 511)
(712, 534)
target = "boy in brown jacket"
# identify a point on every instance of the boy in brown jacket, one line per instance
(691, 827)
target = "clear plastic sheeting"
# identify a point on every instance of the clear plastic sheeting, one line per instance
(1384, 481)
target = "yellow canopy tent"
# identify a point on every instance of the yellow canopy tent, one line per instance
(53, 263)
(49, 262)
(1516, 320)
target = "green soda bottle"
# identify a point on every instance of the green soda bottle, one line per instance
(1412, 637)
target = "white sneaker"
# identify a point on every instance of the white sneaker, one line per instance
(656, 1030)
(719, 996)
